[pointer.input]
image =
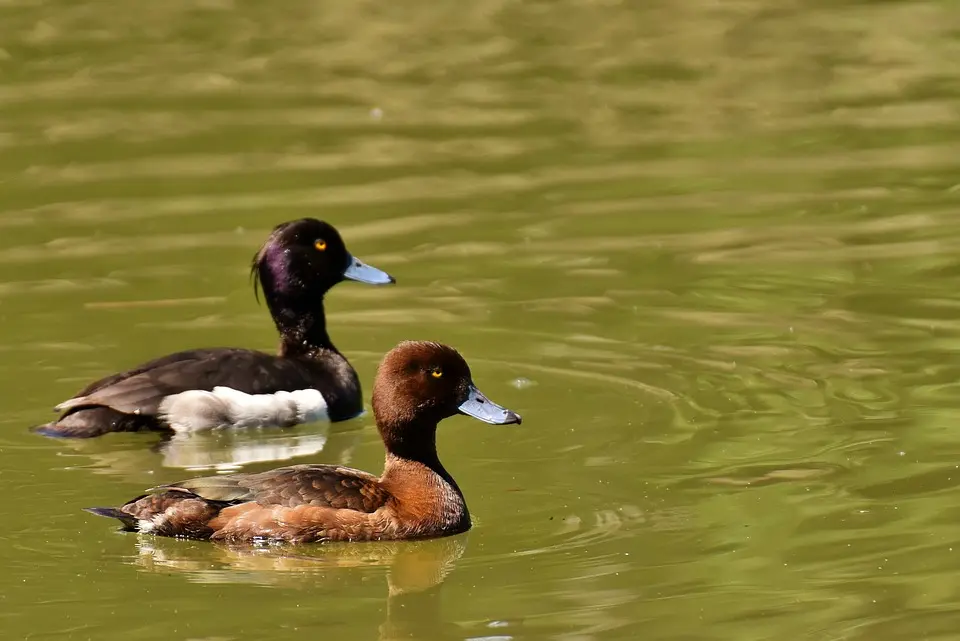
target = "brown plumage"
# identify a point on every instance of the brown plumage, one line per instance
(418, 384)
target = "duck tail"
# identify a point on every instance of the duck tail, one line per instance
(129, 521)
(87, 422)
(56, 430)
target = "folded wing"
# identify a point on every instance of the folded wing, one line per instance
(299, 485)
(141, 390)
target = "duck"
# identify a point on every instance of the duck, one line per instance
(308, 379)
(418, 384)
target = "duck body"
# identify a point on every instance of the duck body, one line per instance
(303, 504)
(414, 497)
(216, 387)
(309, 379)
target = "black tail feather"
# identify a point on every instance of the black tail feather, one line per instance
(88, 422)
(56, 430)
(130, 522)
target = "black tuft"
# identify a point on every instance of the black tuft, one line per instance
(255, 276)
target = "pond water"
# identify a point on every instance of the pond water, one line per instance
(709, 251)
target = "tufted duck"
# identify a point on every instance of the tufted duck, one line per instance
(231, 387)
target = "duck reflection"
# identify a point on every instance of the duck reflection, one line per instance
(415, 571)
(227, 451)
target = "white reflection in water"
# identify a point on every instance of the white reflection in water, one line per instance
(194, 452)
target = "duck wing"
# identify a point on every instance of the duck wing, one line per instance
(140, 391)
(298, 485)
(187, 355)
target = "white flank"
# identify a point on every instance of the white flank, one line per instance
(195, 410)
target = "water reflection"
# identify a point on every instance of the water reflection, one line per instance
(229, 452)
(721, 237)
(414, 572)
(138, 457)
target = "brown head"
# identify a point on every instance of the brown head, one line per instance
(418, 385)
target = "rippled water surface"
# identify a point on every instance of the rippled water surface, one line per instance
(710, 251)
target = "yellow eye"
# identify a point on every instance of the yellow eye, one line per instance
(320, 244)
(436, 373)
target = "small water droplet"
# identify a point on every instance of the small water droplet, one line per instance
(523, 383)
(376, 113)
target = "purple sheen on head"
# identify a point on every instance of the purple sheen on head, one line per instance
(271, 268)
(277, 264)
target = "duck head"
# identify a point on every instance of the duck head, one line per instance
(298, 263)
(418, 385)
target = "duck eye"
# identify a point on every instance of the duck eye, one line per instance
(320, 244)
(436, 372)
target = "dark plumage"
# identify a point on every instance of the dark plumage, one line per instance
(295, 267)
(418, 384)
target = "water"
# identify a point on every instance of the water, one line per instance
(709, 251)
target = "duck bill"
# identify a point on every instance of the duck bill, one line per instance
(482, 408)
(363, 273)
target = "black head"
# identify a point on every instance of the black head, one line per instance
(421, 383)
(298, 264)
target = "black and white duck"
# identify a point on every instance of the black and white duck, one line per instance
(307, 380)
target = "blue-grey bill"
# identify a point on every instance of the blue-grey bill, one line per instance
(480, 407)
(364, 273)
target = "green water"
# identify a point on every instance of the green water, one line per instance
(709, 251)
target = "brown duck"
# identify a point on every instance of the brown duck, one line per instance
(418, 384)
